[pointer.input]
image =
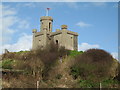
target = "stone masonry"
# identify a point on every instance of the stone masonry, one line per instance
(63, 37)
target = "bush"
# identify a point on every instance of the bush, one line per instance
(75, 71)
(7, 64)
(49, 56)
(118, 73)
(58, 76)
(9, 55)
(93, 64)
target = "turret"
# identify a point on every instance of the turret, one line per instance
(46, 22)
(63, 27)
(34, 30)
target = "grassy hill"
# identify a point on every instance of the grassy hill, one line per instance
(60, 68)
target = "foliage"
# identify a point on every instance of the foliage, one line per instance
(118, 73)
(86, 69)
(75, 71)
(88, 84)
(58, 76)
(7, 64)
(92, 64)
(22, 52)
(48, 57)
(91, 84)
(74, 53)
(109, 82)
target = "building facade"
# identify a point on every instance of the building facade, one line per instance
(61, 37)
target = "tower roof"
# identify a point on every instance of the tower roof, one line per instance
(46, 18)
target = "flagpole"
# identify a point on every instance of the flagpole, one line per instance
(47, 11)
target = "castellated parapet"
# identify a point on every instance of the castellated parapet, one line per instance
(62, 37)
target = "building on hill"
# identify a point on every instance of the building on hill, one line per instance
(63, 37)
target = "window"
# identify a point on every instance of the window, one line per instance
(56, 42)
(39, 41)
(49, 26)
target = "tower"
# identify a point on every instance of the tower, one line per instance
(46, 23)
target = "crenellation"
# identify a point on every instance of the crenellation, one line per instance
(34, 30)
(72, 33)
(57, 30)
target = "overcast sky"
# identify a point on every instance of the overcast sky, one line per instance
(96, 23)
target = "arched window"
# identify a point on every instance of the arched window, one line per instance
(56, 42)
(49, 25)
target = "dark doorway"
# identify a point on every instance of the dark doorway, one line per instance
(56, 42)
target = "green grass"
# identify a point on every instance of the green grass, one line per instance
(7, 64)
(108, 82)
(87, 84)
(90, 84)
(74, 53)
(22, 52)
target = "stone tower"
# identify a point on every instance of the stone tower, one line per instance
(40, 39)
(46, 23)
(63, 37)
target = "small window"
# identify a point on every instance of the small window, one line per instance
(49, 26)
(56, 42)
(39, 41)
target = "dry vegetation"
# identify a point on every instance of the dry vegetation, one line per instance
(60, 68)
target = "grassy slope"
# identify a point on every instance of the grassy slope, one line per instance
(60, 75)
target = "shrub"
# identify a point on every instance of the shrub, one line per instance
(9, 55)
(75, 71)
(21, 65)
(94, 63)
(118, 73)
(58, 76)
(7, 64)
(49, 56)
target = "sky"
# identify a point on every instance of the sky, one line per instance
(95, 22)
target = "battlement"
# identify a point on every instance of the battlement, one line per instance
(72, 33)
(46, 18)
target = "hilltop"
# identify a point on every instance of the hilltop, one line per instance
(60, 68)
